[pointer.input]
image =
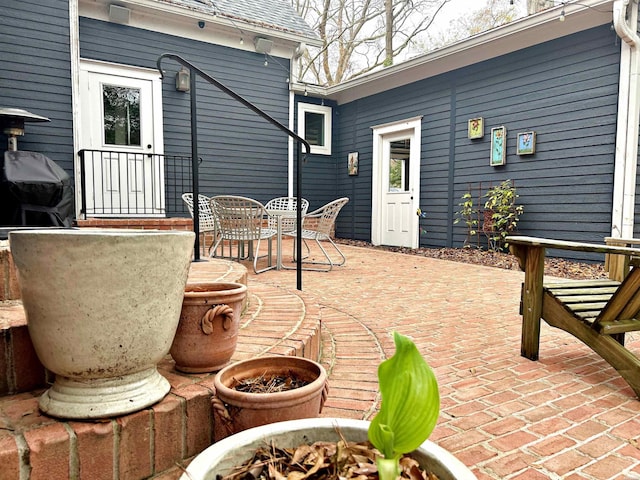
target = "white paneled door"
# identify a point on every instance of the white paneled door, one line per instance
(120, 129)
(396, 184)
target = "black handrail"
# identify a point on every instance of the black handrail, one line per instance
(194, 152)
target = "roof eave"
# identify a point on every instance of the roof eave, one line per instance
(227, 23)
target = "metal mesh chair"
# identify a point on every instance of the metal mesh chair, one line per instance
(240, 221)
(205, 216)
(288, 224)
(318, 226)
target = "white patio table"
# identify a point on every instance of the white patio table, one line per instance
(279, 215)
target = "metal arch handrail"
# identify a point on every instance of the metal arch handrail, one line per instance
(194, 149)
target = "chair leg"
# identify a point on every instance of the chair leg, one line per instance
(306, 245)
(270, 265)
(329, 261)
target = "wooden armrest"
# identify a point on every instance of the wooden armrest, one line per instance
(575, 246)
(621, 241)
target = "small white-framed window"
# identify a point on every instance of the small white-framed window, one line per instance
(314, 125)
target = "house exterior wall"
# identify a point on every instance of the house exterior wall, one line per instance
(319, 171)
(36, 74)
(565, 90)
(242, 154)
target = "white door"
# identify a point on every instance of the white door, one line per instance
(122, 136)
(396, 184)
(398, 214)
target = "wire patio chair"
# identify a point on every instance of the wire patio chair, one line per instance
(206, 219)
(318, 226)
(241, 222)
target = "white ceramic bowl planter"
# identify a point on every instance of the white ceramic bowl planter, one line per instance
(102, 309)
(222, 456)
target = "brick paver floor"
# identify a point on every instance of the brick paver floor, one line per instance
(569, 415)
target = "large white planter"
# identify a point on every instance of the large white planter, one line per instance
(102, 309)
(222, 456)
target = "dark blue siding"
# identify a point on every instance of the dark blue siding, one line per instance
(242, 153)
(566, 90)
(36, 74)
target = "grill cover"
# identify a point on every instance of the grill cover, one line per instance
(35, 191)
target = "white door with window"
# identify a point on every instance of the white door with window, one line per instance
(396, 184)
(121, 135)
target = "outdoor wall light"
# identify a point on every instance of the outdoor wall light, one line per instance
(183, 80)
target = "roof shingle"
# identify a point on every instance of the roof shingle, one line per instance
(273, 14)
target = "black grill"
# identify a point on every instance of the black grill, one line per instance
(34, 191)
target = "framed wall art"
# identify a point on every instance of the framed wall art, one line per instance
(475, 128)
(526, 143)
(498, 146)
(352, 163)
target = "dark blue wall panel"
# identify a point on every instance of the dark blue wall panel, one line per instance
(565, 90)
(242, 154)
(36, 74)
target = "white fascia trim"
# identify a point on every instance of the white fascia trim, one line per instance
(122, 70)
(177, 21)
(514, 36)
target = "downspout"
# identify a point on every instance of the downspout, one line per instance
(290, 152)
(626, 155)
(74, 50)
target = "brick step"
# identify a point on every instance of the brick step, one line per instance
(20, 369)
(157, 441)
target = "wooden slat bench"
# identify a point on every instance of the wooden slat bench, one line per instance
(598, 312)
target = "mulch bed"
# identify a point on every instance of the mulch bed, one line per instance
(556, 267)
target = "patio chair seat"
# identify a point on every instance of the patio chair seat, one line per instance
(241, 220)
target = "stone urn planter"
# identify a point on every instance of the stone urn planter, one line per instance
(223, 456)
(235, 411)
(207, 332)
(102, 307)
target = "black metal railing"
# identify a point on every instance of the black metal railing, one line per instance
(193, 71)
(119, 183)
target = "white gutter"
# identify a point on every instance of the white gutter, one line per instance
(626, 155)
(290, 152)
(74, 51)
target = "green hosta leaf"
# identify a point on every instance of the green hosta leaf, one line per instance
(410, 401)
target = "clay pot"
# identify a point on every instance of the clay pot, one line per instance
(235, 411)
(207, 332)
(219, 459)
(102, 307)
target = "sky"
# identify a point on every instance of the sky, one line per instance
(458, 8)
(455, 9)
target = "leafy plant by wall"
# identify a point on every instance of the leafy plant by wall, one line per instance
(496, 218)
(502, 212)
(468, 214)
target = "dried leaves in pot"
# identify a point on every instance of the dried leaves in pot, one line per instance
(269, 383)
(321, 461)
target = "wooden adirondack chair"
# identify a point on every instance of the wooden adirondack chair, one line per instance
(597, 312)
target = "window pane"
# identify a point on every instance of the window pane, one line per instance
(399, 166)
(121, 115)
(314, 128)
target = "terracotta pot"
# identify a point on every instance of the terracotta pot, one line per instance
(221, 457)
(102, 307)
(234, 411)
(207, 333)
